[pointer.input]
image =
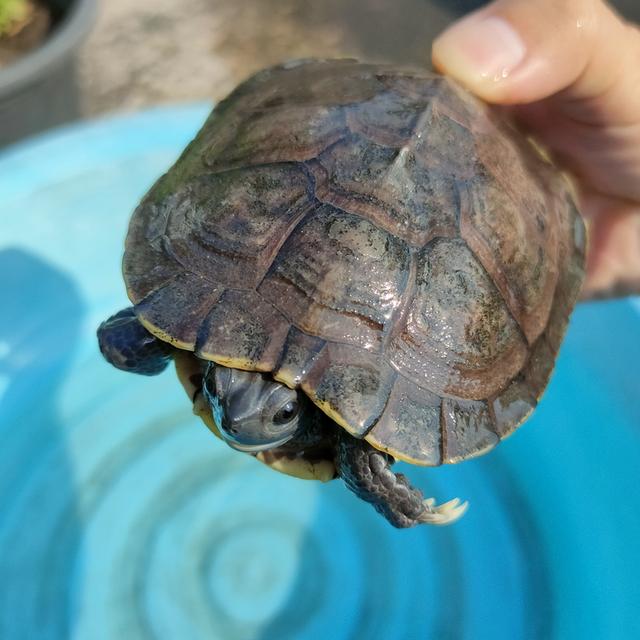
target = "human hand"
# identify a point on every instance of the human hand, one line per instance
(569, 72)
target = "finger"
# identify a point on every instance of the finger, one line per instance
(613, 260)
(518, 51)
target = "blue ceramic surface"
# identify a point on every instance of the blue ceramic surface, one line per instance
(122, 517)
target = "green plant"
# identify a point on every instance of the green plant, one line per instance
(12, 12)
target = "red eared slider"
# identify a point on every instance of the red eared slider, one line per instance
(353, 264)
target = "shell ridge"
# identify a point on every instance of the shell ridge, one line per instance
(466, 423)
(408, 379)
(307, 215)
(165, 242)
(203, 334)
(162, 325)
(166, 245)
(229, 168)
(184, 271)
(396, 165)
(395, 323)
(332, 340)
(287, 342)
(301, 329)
(335, 365)
(408, 428)
(312, 187)
(309, 165)
(155, 290)
(302, 216)
(421, 120)
(374, 422)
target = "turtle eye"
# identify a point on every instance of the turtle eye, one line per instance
(286, 413)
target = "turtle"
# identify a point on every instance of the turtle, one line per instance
(351, 265)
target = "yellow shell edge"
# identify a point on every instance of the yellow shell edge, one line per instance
(162, 335)
(403, 457)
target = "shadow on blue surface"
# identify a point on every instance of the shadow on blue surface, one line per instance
(39, 327)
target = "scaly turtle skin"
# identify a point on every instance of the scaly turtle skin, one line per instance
(372, 239)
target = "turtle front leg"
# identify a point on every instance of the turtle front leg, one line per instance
(127, 345)
(367, 472)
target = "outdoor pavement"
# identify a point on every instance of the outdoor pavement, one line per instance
(165, 51)
(162, 51)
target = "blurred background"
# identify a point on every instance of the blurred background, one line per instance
(159, 50)
(77, 58)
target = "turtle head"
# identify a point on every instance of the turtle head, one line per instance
(251, 410)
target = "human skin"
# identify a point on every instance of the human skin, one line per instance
(569, 73)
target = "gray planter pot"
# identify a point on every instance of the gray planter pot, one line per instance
(39, 90)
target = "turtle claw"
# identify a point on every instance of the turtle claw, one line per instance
(442, 514)
(367, 472)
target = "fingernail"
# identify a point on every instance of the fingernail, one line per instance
(477, 50)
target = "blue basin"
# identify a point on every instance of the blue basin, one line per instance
(122, 517)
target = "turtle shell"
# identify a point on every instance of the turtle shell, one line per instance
(376, 237)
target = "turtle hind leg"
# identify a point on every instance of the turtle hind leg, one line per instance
(127, 345)
(367, 472)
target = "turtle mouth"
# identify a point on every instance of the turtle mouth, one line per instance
(251, 447)
(249, 436)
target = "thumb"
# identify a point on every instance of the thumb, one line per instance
(518, 51)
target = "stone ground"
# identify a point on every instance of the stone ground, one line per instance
(161, 51)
